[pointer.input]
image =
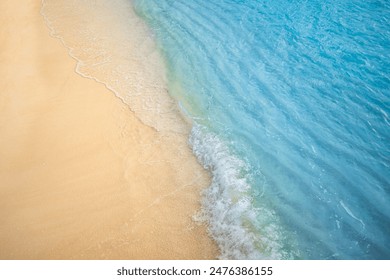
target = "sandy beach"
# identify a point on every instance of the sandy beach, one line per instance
(81, 177)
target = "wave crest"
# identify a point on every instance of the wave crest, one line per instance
(241, 230)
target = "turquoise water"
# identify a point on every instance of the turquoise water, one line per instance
(290, 102)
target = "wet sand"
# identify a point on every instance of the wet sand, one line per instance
(80, 176)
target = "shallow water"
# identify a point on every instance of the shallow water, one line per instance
(290, 104)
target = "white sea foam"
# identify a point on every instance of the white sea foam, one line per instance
(349, 212)
(241, 230)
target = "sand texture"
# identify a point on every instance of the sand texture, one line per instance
(80, 176)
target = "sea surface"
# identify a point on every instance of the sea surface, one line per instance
(290, 104)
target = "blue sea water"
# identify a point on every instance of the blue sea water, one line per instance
(290, 102)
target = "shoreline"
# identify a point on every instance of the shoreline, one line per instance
(81, 177)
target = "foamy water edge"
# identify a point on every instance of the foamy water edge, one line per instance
(227, 207)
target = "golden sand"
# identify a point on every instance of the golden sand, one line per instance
(80, 176)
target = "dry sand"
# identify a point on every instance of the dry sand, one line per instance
(80, 176)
